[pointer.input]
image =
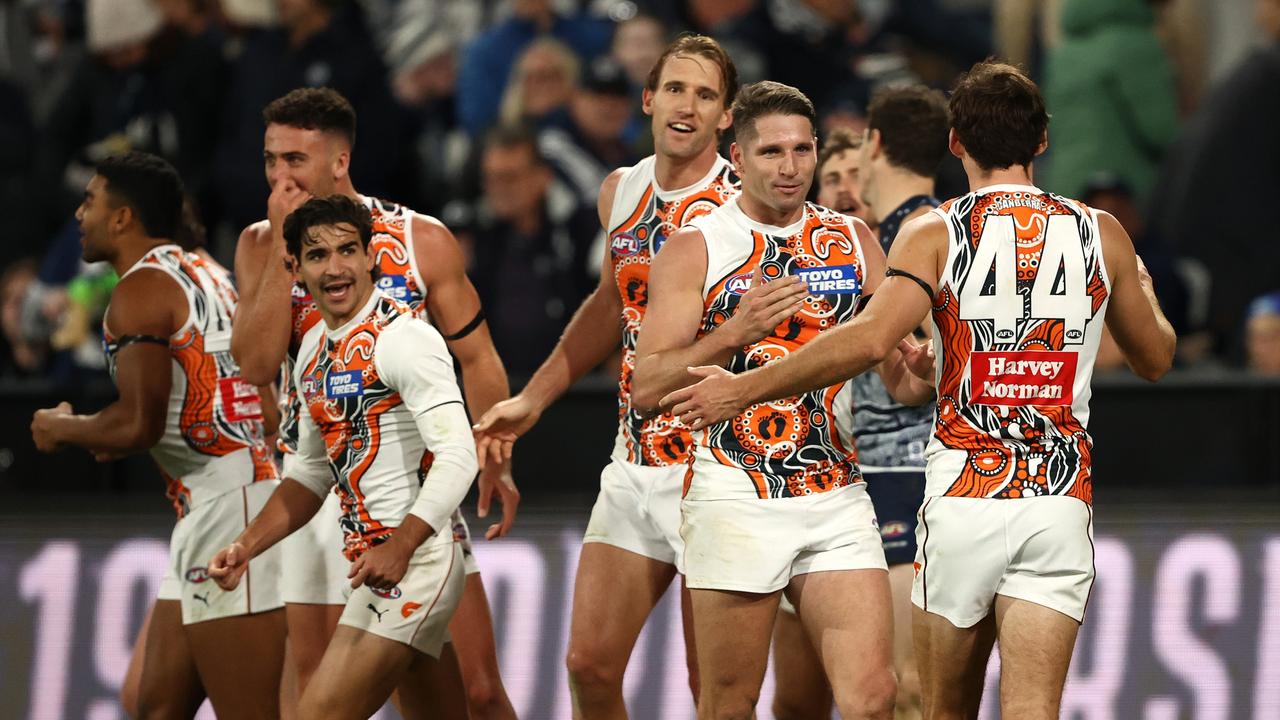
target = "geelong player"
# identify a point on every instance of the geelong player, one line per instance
(168, 334)
(774, 499)
(307, 153)
(383, 420)
(632, 548)
(1019, 282)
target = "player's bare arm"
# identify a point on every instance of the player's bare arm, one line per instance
(147, 305)
(1134, 317)
(289, 508)
(591, 335)
(261, 329)
(455, 310)
(668, 345)
(899, 305)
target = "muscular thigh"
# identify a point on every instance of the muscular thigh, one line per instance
(356, 676)
(613, 594)
(848, 618)
(169, 684)
(240, 660)
(1036, 643)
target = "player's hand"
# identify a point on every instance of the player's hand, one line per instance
(42, 425)
(228, 566)
(497, 429)
(918, 359)
(382, 567)
(713, 399)
(765, 306)
(285, 197)
(496, 479)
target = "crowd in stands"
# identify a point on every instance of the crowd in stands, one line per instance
(502, 117)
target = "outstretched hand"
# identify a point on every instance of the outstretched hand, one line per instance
(498, 428)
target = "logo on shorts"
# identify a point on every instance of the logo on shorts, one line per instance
(625, 244)
(375, 611)
(894, 529)
(202, 598)
(197, 575)
(917, 567)
(407, 609)
(392, 594)
(344, 384)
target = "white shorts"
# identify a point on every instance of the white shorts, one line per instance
(315, 570)
(638, 509)
(969, 550)
(417, 611)
(210, 527)
(755, 545)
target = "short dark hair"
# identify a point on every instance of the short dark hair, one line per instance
(769, 98)
(912, 121)
(999, 115)
(509, 135)
(707, 47)
(149, 186)
(318, 212)
(839, 140)
(323, 109)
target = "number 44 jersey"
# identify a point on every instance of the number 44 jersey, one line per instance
(1017, 322)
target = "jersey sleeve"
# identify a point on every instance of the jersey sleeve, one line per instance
(412, 359)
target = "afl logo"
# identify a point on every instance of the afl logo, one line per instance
(738, 284)
(625, 244)
(894, 528)
(197, 575)
(392, 594)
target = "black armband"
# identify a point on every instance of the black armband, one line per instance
(468, 328)
(891, 272)
(127, 340)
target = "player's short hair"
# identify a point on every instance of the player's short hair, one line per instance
(839, 140)
(323, 109)
(707, 47)
(334, 210)
(912, 121)
(999, 115)
(767, 97)
(149, 186)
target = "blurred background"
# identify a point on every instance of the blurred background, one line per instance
(1164, 114)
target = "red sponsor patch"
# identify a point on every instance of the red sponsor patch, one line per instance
(240, 400)
(1033, 377)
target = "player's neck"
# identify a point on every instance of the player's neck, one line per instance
(762, 213)
(894, 186)
(1012, 175)
(672, 173)
(132, 249)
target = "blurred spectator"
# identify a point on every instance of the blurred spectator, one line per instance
(1110, 89)
(541, 85)
(488, 61)
(529, 250)
(594, 142)
(1025, 30)
(319, 43)
(1262, 334)
(1223, 176)
(21, 355)
(638, 42)
(145, 86)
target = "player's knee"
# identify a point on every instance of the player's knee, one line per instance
(589, 668)
(482, 696)
(873, 696)
(733, 706)
(909, 691)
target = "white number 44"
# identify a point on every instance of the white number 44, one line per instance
(1063, 256)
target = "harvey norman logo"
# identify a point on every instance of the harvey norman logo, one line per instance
(1033, 377)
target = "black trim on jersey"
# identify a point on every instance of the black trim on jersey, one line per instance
(891, 272)
(127, 340)
(469, 327)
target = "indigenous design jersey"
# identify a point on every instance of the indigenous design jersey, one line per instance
(888, 433)
(213, 438)
(399, 279)
(375, 452)
(1017, 322)
(800, 445)
(643, 217)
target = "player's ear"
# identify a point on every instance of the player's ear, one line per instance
(646, 101)
(342, 163)
(735, 156)
(954, 145)
(726, 119)
(1044, 143)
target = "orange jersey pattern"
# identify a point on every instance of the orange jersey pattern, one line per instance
(797, 446)
(645, 216)
(392, 248)
(213, 413)
(351, 421)
(1017, 331)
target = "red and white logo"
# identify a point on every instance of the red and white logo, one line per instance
(1032, 377)
(240, 400)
